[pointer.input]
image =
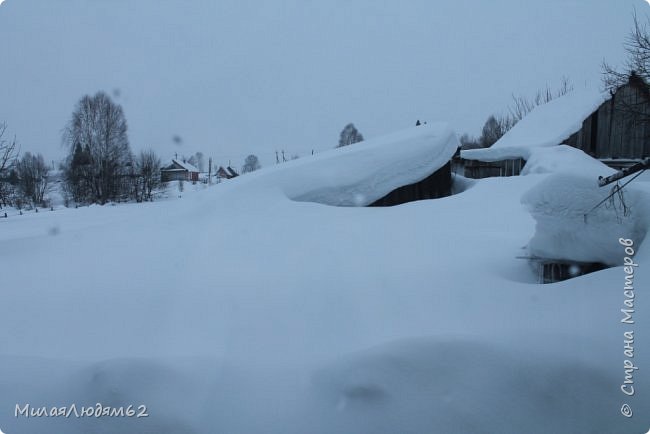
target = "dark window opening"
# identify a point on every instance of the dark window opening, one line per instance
(557, 271)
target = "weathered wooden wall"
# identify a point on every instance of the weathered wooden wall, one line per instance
(619, 129)
(173, 175)
(436, 185)
(481, 169)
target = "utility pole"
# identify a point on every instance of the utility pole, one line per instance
(277, 158)
(210, 170)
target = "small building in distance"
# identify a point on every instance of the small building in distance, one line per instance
(225, 173)
(179, 171)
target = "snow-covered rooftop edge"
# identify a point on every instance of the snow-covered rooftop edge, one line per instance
(549, 124)
(187, 166)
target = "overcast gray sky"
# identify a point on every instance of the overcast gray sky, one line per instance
(233, 77)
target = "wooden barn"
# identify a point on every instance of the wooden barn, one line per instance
(434, 186)
(618, 132)
(614, 128)
(179, 171)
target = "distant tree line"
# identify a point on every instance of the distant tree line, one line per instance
(23, 181)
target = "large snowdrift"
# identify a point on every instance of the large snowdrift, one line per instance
(571, 226)
(460, 383)
(546, 125)
(238, 309)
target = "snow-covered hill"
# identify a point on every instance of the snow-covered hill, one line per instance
(241, 309)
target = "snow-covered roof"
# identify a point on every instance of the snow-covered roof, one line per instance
(360, 174)
(186, 166)
(549, 124)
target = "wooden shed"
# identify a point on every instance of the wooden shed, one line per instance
(618, 132)
(179, 171)
(614, 128)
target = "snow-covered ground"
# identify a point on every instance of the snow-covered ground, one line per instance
(249, 307)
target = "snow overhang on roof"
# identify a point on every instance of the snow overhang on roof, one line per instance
(186, 166)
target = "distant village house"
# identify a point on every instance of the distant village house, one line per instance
(179, 171)
(225, 173)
